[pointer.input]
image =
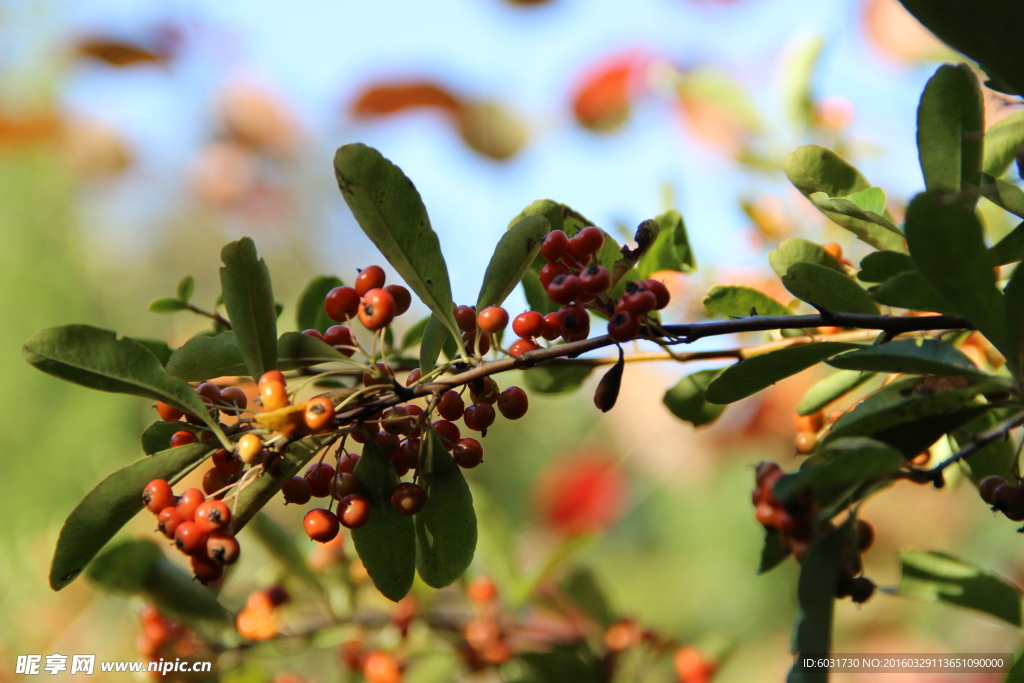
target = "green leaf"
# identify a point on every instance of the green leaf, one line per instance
(157, 347)
(556, 378)
(1014, 302)
(739, 301)
(249, 300)
(750, 376)
(446, 526)
(871, 200)
(836, 468)
(671, 249)
(947, 242)
(387, 542)
(388, 208)
(125, 567)
(1003, 194)
(1002, 142)
(686, 399)
(157, 436)
(996, 458)
(879, 266)
(1009, 249)
(912, 291)
(167, 305)
(112, 504)
(909, 356)
(1016, 673)
(583, 589)
(536, 297)
(186, 286)
(434, 336)
(560, 664)
(560, 216)
(815, 169)
(872, 228)
(280, 543)
(309, 312)
(800, 63)
(645, 236)
(796, 250)
(414, 335)
(773, 552)
(297, 350)
(512, 257)
(950, 130)
(825, 289)
(938, 577)
(97, 359)
(831, 388)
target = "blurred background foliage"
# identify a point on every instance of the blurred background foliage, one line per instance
(137, 138)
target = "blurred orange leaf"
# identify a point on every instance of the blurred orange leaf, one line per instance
(117, 53)
(380, 100)
(29, 128)
(603, 92)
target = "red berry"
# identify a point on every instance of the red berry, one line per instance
(189, 502)
(637, 300)
(354, 511)
(167, 412)
(451, 406)
(320, 476)
(183, 438)
(340, 335)
(210, 391)
(586, 242)
(313, 333)
(407, 499)
(344, 485)
(215, 480)
(488, 391)
(321, 525)
(378, 375)
(528, 325)
(564, 288)
(553, 326)
(190, 538)
(479, 416)
(521, 346)
(492, 319)
(469, 340)
(575, 322)
(234, 396)
(222, 548)
(319, 413)
(376, 309)
(482, 590)
(468, 453)
(168, 520)
(271, 376)
(465, 318)
(157, 495)
(549, 271)
(396, 421)
(347, 463)
(401, 296)
(387, 443)
(341, 303)
(660, 291)
(297, 490)
(371, 277)
(512, 403)
(408, 455)
(448, 432)
(206, 570)
(623, 326)
(213, 515)
(595, 279)
(554, 245)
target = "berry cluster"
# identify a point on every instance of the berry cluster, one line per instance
(1003, 496)
(165, 638)
(794, 521)
(259, 619)
(375, 304)
(484, 640)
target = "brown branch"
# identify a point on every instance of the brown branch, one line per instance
(212, 315)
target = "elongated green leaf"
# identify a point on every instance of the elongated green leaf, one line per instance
(879, 266)
(446, 526)
(950, 130)
(995, 458)
(938, 577)
(298, 350)
(112, 504)
(830, 389)
(556, 378)
(1009, 249)
(414, 335)
(773, 552)
(280, 543)
(797, 250)
(167, 305)
(157, 436)
(843, 463)
(388, 208)
(249, 300)
(909, 356)
(1002, 142)
(585, 592)
(536, 297)
(97, 359)
(1016, 673)
(739, 301)
(387, 542)
(1014, 302)
(948, 246)
(872, 228)
(872, 200)
(1003, 194)
(815, 169)
(186, 286)
(671, 250)
(512, 257)
(686, 399)
(912, 291)
(434, 336)
(309, 312)
(825, 289)
(750, 376)
(157, 347)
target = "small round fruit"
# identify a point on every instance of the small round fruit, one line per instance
(451, 406)
(810, 423)
(381, 667)
(297, 491)
(479, 416)
(660, 291)
(448, 432)
(528, 325)
(320, 476)
(483, 390)
(222, 548)
(639, 301)
(226, 462)
(623, 326)
(167, 412)
(595, 279)
(554, 246)
(371, 277)
(354, 511)
(215, 480)
(190, 539)
(415, 375)
(274, 396)
(321, 525)
(340, 335)
(378, 375)
(344, 485)
(865, 536)
(806, 442)
(575, 322)
(313, 333)
(564, 288)
(468, 453)
(189, 502)
(521, 346)
(765, 471)
(396, 421)
(834, 250)
(512, 403)
(341, 303)
(387, 443)
(408, 498)
(271, 376)
(492, 319)
(1009, 500)
(401, 296)
(210, 391)
(183, 438)
(347, 463)
(552, 326)
(168, 520)
(318, 414)
(988, 486)
(408, 455)
(862, 589)
(213, 515)
(469, 341)
(206, 570)
(482, 590)
(465, 318)
(586, 242)
(249, 447)
(157, 495)
(376, 309)
(549, 271)
(234, 396)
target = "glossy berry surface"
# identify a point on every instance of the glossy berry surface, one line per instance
(554, 246)
(528, 325)
(168, 413)
(492, 319)
(206, 570)
(564, 289)
(513, 403)
(318, 414)
(157, 495)
(468, 453)
(340, 335)
(407, 499)
(222, 548)
(376, 309)
(595, 279)
(451, 406)
(320, 477)
(213, 515)
(465, 318)
(321, 525)
(354, 511)
(189, 503)
(479, 417)
(448, 432)
(297, 491)
(521, 346)
(190, 538)
(183, 438)
(401, 297)
(371, 277)
(341, 303)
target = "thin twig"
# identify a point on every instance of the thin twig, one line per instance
(212, 315)
(988, 436)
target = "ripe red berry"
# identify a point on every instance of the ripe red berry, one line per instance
(234, 396)
(321, 525)
(451, 406)
(637, 300)
(167, 412)
(183, 438)
(521, 346)
(468, 453)
(486, 391)
(320, 476)
(206, 570)
(378, 375)
(586, 242)
(407, 499)
(340, 335)
(222, 548)
(564, 288)
(157, 495)
(341, 303)
(465, 318)
(401, 296)
(396, 421)
(575, 322)
(448, 431)
(215, 480)
(347, 463)
(528, 325)
(492, 319)
(319, 413)
(354, 511)
(469, 340)
(479, 416)
(210, 391)
(313, 333)
(482, 590)
(512, 403)
(549, 271)
(189, 502)
(190, 539)
(371, 277)
(552, 326)
(387, 443)
(408, 455)
(271, 376)
(623, 326)
(660, 291)
(554, 245)
(213, 515)
(168, 520)
(595, 279)
(344, 485)
(988, 486)
(376, 309)
(297, 491)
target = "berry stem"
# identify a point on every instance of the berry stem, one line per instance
(212, 315)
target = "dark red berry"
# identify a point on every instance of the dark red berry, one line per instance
(528, 325)
(564, 288)
(401, 296)
(371, 277)
(465, 318)
(215, 480)
(313, 333)
(637, 300)
(297, 490)
(157, 495)
(575, 322)
(341, 303)
(479, 416)
(321, 525)
(448, 432)
(344, 485)
(512, 403)
(206, 570)
(387, 443)
(408, 454)
(468, 453)
(320, 476)
(354, 511)
(469, 340)
(595, 279)
(660, 291)
(378, 375)
(623, 326)
(549, 271)
(183, 438)
(554, 245)
(451, 406)
(222, 548)
(408, 498)
(347, 463)
(586, 242)
(552, 326)
(340, 335)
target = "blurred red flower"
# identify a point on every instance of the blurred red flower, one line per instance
(581, 493)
